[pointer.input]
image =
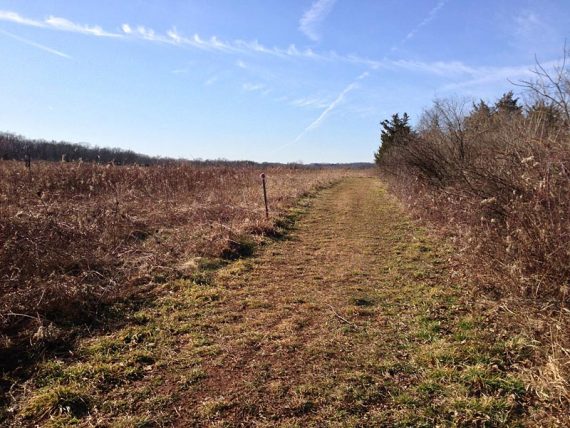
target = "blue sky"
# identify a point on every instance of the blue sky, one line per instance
(288, 80)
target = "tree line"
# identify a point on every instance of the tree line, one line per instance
(16, 147)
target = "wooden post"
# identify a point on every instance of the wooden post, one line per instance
(265, 195)
(28, 163)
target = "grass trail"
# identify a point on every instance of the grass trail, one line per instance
(352, 320)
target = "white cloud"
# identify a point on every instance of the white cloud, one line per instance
(66, 25)
(448, 69)
(18, 19)
(311, 20)
(491, 75)
(440, 68)
(173, 34)
(146, 33)
(36, 45)
(238, 47)
(241, 64)
(56, 23)
(252, 87)
(211, 80)
(531, 31)
(527, 23)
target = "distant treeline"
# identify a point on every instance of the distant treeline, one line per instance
(17, 147)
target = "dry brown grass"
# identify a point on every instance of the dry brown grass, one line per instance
(78, 236)
(351, 321)
(507, 199)
(497, 183)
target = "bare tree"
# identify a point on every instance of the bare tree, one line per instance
(551, 86)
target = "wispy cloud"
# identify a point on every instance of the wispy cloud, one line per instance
(527, 25)
(36, 45)
(531, 31)
(66, 25)
(439, 68)
(491, 75)
(527, 21)
(235, 47)
(430, 16)
(447, 69)
(256, 87)
(16, 18)
(253, 87)
(312, 19)
(311, 102)
(55, 23)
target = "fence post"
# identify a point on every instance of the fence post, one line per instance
(265, 195)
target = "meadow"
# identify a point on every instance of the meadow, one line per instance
(127, 284)
(131, 297)
(77, 237)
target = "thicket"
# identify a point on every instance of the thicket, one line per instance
(495, 178)
(498, 177)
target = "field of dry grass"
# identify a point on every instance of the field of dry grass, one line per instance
(77, 237)
(354, 319)
(353, 315)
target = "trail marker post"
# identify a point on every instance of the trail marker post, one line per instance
(262, 175)
(28, 163)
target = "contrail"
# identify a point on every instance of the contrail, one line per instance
(36, 45)
(430, 16)
(316, 123)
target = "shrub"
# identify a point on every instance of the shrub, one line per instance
(498, 177)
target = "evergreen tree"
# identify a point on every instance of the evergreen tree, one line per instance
(396, 131)
(508, 104)
(482, 109)
(479, 117)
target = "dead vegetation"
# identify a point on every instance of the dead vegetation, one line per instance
(496, 180)
(351, 321)
(77, 237)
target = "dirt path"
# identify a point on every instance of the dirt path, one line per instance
(353, 320)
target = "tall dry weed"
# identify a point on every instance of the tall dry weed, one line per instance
(78, 235)
(496, 179)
